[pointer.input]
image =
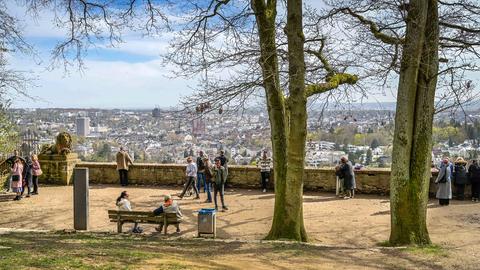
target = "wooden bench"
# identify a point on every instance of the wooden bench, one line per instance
(5, 197)
(142, 217)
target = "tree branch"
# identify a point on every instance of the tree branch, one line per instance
(332, 83)
(373, 28)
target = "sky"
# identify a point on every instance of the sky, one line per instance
(130, 75)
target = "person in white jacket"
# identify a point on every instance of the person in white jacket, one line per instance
(123, 204)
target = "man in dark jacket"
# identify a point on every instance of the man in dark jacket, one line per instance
(459, 178)
(474, 177)
(219, 178)
(223, 162)
(348, 176)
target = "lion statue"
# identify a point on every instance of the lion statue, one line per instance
(62, 146)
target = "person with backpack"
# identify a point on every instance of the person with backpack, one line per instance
(474, 178)
(444, 190)
(459, 178)
(123, 204)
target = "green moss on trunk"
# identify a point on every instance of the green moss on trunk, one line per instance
(413, 127)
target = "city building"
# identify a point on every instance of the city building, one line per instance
(83, 126)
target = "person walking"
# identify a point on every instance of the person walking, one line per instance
(474, 177)
(191, 172)
(123, 204)
(201, 172)
(348, 176)
(444, 190)
(123, 160)
(208, 178)
(17, 184)
(219, 176)
(459, 178)
(36, 172)
(265, 164)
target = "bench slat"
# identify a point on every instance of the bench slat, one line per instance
(147, 221)
(115, 212)
(157, 218)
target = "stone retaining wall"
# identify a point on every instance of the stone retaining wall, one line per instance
(368, 180)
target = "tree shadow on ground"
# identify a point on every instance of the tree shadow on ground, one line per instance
(134, 250)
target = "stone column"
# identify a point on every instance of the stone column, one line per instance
(80, 199)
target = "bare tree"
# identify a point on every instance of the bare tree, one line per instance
(12, 82)
(424, 41)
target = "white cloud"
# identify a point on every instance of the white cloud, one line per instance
(108, 85)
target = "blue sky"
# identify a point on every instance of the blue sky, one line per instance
(130, 75)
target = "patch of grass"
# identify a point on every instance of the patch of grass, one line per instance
(427, 250)
(385, 243)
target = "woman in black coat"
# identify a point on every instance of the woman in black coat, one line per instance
(459, 177)
(474, 177)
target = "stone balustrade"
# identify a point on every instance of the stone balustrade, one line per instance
(375, 180)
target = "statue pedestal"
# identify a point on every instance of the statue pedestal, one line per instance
(57, 169)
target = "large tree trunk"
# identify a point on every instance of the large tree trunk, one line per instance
(288, 122)
(412, 147)
(290, 225)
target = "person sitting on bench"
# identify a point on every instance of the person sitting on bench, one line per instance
(168, 206)
(123, 204)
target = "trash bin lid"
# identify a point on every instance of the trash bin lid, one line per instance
(206, 211)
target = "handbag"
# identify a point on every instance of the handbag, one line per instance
(15, 178)
(37, 172)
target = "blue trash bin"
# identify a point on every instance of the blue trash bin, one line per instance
(207, 222)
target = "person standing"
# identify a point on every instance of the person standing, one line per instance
(224, 162)
(265, 164)
(16, 184)
(444, 191)
(123, 160)
(459, 178)
(219, 176)
(208, 178)
(201, 172)
(27, 176)
(36, 172)
(339, 185)
(348, 176)
(474, 177)
(191, 172)
(11, 162)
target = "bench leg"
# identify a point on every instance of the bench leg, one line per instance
(165, 228)
(119, 226)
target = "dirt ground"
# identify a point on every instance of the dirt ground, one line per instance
(359, 223)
